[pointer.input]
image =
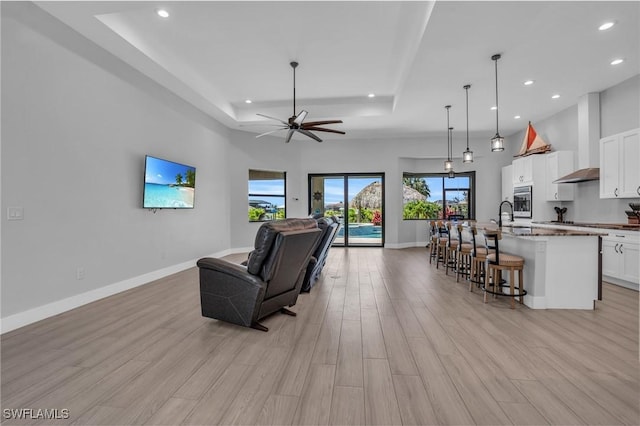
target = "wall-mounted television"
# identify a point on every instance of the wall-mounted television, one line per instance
(168, 185)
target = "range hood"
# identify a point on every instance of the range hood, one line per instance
(588, 141)
(582, 175)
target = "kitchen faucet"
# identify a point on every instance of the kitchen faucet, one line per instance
(500, 212)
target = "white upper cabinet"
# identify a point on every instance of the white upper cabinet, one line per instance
(559, 164)
(523, 171)
(619, 165)
(507, 183)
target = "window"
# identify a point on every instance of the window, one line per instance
(436, 196)
(267, 195)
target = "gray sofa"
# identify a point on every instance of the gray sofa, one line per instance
(271, 279)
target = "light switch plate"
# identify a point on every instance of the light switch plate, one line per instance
(15, 213)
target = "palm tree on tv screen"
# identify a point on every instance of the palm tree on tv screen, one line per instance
(191, 178)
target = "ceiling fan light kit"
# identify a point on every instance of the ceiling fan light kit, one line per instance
(497, 142)
(296, 123)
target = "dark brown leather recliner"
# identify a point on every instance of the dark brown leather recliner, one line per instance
(271, 279)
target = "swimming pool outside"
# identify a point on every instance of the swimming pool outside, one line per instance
(362, 230)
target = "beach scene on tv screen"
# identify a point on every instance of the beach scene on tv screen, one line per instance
(168, 184)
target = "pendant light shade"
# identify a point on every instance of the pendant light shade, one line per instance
(497, 142)
(448, 164)
(467, 155)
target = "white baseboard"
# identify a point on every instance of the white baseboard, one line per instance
(405, 245)
(39, 313)
(621, 283)
(535, 302)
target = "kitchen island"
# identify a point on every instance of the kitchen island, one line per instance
(562, 267)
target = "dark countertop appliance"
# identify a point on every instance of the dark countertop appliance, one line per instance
(560, 211)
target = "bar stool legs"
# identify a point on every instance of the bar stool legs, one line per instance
(493, 278)
(497, 262)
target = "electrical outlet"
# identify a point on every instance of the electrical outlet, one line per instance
(15, 213)
(80, 273)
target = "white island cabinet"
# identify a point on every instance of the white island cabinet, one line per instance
(561, 266)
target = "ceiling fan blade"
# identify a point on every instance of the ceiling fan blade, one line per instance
(311, 135)
(289, 134)
(300, 118)
(273, 118)
(263, 125)
(320, 123)
(322, 129)
(268, 133)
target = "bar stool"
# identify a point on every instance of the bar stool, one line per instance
(433, 243)
(450, 258)
(443, 241)
(463, 259)
(478, 256)
(497, 262)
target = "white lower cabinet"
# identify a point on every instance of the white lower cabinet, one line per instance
(621, 258)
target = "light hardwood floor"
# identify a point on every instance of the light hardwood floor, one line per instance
(383, 338)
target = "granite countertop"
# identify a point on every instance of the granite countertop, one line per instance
(516, 230)
(618, 226)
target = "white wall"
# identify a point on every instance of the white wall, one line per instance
(391, 157)
(619, 111)
(74, 136)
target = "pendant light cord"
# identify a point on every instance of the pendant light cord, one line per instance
(466, 89)
(495, 59)
(448, 135)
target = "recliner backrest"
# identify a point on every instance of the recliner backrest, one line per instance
(329, 226)
(263, 260)
(292, 250)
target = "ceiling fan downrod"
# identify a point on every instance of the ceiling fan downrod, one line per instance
(294, 64)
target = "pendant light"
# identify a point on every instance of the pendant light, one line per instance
(497, 142)
(448, 164)
(452, 174)
(467, 155)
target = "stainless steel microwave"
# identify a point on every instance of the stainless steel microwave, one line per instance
(522, 201)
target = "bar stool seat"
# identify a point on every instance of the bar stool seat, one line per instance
(506, 259)
(497, 262)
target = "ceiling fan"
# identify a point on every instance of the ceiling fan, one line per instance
(296, 123)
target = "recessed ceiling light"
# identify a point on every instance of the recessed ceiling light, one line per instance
(606, 26)
(528, 82)
(617, 61)
(162, 13)
(248, 101)
(556, 96)
(371, 95)
(517, 117)
(493, 108)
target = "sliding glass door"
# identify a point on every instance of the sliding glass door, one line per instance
(356, 199)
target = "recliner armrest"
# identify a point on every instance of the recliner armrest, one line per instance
(232, 269)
